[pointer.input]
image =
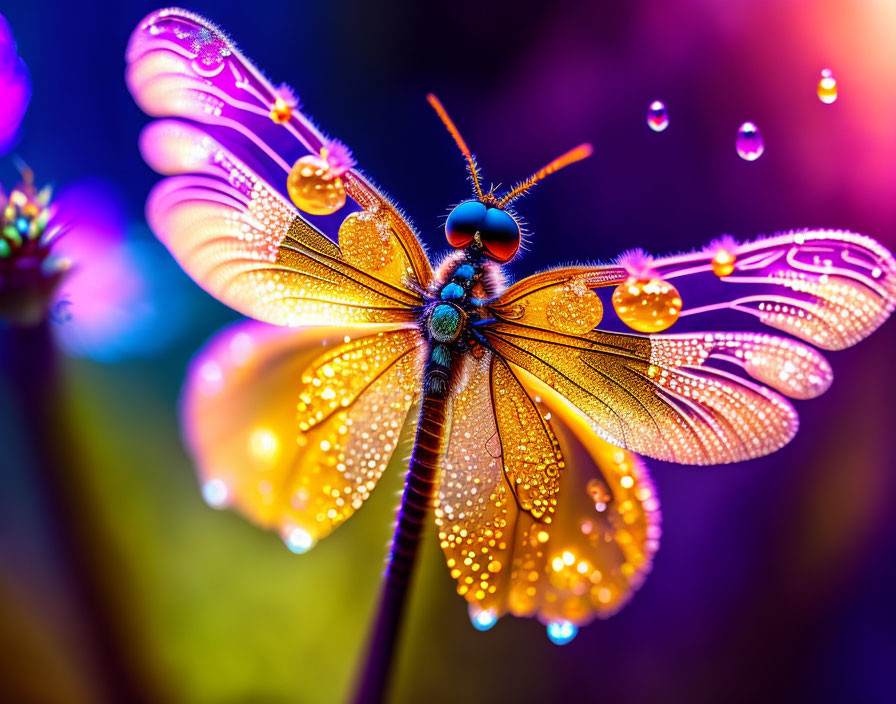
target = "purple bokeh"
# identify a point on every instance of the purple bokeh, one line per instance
(122, 296)
(15, 88)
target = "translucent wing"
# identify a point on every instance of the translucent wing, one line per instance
(295, 427)
(681, 398)
(827, 287)
(693, 397)
(581, 560)
(248, 246)
(227, 214)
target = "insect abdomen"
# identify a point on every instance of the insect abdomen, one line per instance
(420, 484)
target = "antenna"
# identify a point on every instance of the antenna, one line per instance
(461, 144)
(583, 151)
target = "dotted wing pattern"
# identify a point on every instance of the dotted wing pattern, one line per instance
(246, 244)
(581, 561)
(674, 398)
(226, 214)
(295, 427)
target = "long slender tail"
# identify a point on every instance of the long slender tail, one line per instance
(419, 489)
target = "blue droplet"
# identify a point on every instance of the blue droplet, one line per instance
(215, 493)
(22, 225)
(482, 619)
(452, 292)
(298, 540)
(561, 632)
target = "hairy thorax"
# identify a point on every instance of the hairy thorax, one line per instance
(462, 285)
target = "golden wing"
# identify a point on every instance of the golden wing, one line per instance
(828, 287)
(692, 397)
(581, 559)
(228, 214)
(295, 427)
(672, 397)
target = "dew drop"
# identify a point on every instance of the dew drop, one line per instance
(298, 540)
(482, 619)
(562, 632)
(647, 305)
(749, 142)
(657, 116)
(827, 87)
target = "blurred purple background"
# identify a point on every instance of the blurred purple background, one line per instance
(774, 579)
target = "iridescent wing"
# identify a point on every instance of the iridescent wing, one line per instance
(830, 288)
(295, 427)
(227, 213)
(583, 557)
(693, 397)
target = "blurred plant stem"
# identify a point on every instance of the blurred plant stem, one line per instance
(84, 558)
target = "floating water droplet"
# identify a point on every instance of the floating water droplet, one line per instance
(482, 619)
(561, 632)
(657, 116)
(216, 493)
(827, 87)
(749, 142)
(298, 540)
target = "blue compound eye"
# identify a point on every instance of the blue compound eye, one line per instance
(500, 235)
(464, 222)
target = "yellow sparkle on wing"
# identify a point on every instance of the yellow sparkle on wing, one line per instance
(263, 444)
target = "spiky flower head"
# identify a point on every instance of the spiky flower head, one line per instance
(29, 273)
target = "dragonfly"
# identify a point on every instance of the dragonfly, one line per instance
(530, 403)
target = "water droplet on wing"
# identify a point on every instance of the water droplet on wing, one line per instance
(482, 619)
(562, 632)
(298, 540)
(216, 493)
(647, 305)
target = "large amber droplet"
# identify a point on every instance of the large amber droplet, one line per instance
(313, 188)
(647, 305)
